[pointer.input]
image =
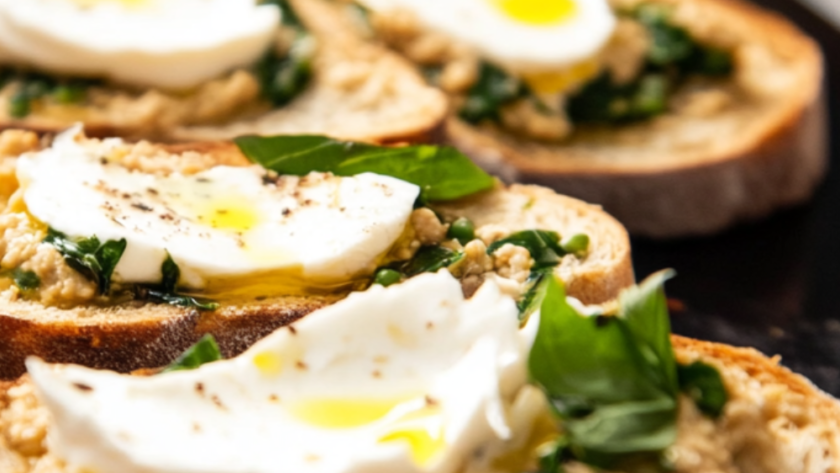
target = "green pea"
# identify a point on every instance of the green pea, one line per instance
(386, 277)
(19, 105)
(576, 244)
(462, 230)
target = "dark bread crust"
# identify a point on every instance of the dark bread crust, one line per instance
(780, 165)
(126, 345)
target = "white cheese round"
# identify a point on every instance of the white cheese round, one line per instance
(410, 378)
(226, 227)
(171, 44)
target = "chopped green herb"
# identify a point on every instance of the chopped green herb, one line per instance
(88, 256)
(494, 89)
(386, 277)
(19, 105)
(462, 230)
(611, 380)
(442, 173)
(181, 300)
(704, 385)
(167, 291)
(544, 246)
(206, 350)
(26, 281)
(673, 55)
(533, 296)
(284, 77)
(429, 259)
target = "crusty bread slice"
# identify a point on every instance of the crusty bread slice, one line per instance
(137, 335)
(359, 91)
(774, 422)
(699, 169)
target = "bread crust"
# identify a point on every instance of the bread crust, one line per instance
(137, 335)
(778, 162)
(411, 110)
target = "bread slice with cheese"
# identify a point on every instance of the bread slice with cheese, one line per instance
(731, 149)
(775, 421)
(359, 91)
(129, 335)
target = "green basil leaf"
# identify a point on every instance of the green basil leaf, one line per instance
(544, 246)
(429, 259)
(88, 256)
(206, 350)
(288, 17)
(606, 377)
(704, 385)
(442, 173)
(26, 281)
(644, 310)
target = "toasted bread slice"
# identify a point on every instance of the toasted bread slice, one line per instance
(135, 335)
(359, 91)
(738, 149)
(774, 422)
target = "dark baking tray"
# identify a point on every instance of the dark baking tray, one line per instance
(773, 284)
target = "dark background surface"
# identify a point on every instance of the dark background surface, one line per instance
(774, 284)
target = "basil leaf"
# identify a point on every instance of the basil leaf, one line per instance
(494, 89)
(206, 350)
(608, 377)
(704, 385)
(442, 173)
(644, 310)
(544, 246)
(26, 281)
(429, 259)
(88, 256)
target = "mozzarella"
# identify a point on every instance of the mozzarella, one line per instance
(521, 35)
(172, 44)
(225, 227)
(408, 378)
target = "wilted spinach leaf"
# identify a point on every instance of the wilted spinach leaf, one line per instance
(206, 350)
(429, 259)
(88, 256)
(167, 291)
(494, 89)
(543, 245)
(26, 281)
(284, 77)
(704, 385)
(442, 173)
